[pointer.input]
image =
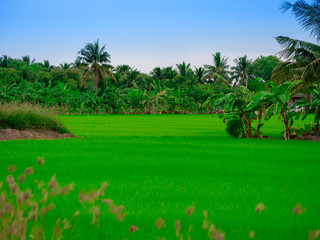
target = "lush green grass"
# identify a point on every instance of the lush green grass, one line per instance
(157, 165)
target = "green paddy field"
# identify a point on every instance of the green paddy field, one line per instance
(158, 165)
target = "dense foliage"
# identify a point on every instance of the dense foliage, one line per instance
(85, 87)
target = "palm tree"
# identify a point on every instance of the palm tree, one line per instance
(183, 69)
(303, 58)
(303, 61)
(220, 67)
(78, 63)
(199, 73)
(169, 73)
(96, 60)
(240, 71)
(308, 15)
(26, 59)
(122, 69)
(4, 61)
(157, 73)
(65, 65)
(46, 65)
(132, 77)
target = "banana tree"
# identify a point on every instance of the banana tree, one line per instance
(235, 105)
(136, 98)
(313, 107)
(276, 101)
(8, 92)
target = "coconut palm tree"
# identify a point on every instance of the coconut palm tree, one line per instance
(240, 71)
(26, 59)
(220, 67)
(157, 73)
(303, 58)
(78, 63)
(132, 77)
(65, 65)
(169, 73)
(303, 61)
(46, 65)
(97, 61)
(307, 14)
(122, 69)
(183, 69)
(199, 73)
(4, 61)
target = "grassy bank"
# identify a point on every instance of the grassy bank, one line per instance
(27, 116)
(158, 165)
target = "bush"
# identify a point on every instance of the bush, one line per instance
(234, 127)
(27, 116)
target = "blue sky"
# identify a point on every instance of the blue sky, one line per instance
(142, 33)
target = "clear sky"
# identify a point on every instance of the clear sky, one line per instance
(145, 33)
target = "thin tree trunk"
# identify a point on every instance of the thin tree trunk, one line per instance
(286, 125)
(246, 124)
(259, 123)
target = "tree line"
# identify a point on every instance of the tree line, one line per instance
(96, 86)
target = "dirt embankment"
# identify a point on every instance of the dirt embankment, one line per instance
(12, 134)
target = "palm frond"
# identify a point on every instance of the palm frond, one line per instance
(308, 15)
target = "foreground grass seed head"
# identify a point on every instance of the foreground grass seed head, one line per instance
(190, 210)
(133, 228)
(314, 234)
(260, 207)
(40, 161)
(12, 168)
(160, 223)
(251, 235)
(29, 171)
(297, 210)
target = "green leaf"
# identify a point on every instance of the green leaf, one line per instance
(261, 95)
(270, 112)
(284, 98)
(284, 87)
(229, 105)
(272, 85)
(277, 108)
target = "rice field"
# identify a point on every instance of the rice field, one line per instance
(158, 165)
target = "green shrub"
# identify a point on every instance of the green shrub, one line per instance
(27, 116)
(234, 127)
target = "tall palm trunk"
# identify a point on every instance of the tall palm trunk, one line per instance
(95, 79)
